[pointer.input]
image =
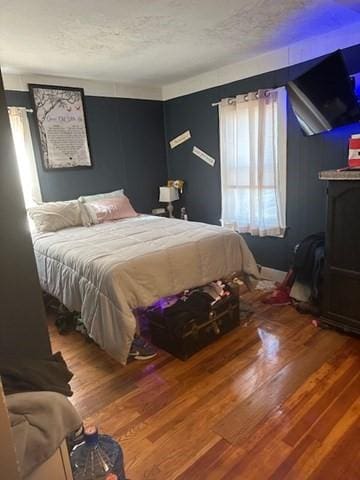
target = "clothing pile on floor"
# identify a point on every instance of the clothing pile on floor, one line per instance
(214, 291)
(20, 374)
(302, 284)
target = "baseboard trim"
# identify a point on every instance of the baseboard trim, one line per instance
(268, 273)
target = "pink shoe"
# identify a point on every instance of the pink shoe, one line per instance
(278, 297)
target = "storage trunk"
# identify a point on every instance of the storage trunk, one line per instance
(198, 331)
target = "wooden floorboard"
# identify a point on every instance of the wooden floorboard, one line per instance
(275, 399)
(239, 424)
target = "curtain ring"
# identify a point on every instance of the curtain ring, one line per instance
(246, 98)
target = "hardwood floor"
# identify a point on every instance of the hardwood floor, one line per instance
(276, 399)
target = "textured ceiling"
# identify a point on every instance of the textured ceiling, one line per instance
(155, 42)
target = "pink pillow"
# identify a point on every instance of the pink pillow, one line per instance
(109, 209)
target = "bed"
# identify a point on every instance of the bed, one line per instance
(107, 270)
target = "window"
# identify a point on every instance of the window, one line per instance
(25, 155)
(253, 162)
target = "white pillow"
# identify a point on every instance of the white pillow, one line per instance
(53, 216)
(101, 196)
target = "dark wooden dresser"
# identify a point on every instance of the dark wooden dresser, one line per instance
(341, 295)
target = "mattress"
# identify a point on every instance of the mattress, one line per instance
(107, 270)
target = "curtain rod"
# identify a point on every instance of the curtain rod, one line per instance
(231, 99)
(27, 110)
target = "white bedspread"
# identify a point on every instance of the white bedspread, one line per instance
(106, 270)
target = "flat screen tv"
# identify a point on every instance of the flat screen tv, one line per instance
(323, 98)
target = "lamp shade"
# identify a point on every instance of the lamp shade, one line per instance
(168, 194)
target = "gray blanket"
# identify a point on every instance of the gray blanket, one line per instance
(107, 270)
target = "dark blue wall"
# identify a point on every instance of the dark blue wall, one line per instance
(306, 195)
(126, 138)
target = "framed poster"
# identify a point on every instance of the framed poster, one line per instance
(61, 122)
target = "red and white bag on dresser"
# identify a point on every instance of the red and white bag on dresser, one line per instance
(354, 151)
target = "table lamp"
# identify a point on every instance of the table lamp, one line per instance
(168, 195)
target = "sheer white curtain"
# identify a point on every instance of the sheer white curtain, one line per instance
(25, 155)
(253, 162)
